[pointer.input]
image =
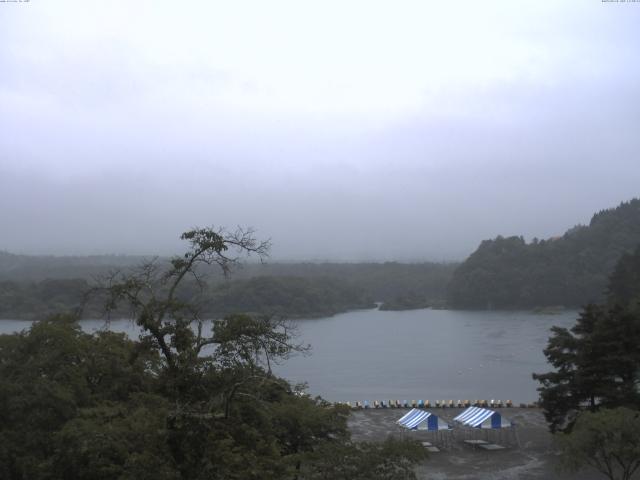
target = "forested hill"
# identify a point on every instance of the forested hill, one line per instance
(571, 270)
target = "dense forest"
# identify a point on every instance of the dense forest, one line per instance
(283, 296)
(571, 270)
(33, 287)
(286, 296)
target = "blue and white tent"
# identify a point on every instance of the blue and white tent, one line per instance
(422, 420)
(477, 417)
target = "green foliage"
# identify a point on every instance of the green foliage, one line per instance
(388, 460)
(42, 299)
(596, 364)
(597, 361)
(74, 405)
(180, 403)
(292, 290)
(286, 296)
(408, 301)
(264, 295)
(607, 440)
(53, 375)
(115, 440)
(571, 270)
(624, 284)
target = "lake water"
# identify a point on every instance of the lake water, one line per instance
(417, 354)
(424, 354)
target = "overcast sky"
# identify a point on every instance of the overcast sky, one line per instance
(344, 130)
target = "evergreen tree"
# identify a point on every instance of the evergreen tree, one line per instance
(597, 361)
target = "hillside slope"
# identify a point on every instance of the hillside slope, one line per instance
(571, 270)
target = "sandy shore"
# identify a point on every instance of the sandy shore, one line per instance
(529, 454)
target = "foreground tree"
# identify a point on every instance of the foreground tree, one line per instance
(596, 364)
(171, 322)
(74, 405)
(388, 460)
(607, 440)
(596, 361)
(190, 400)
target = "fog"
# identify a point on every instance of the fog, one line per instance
(343, 131)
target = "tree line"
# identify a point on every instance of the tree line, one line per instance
(571, 270)
(292, 290)
(506, 272)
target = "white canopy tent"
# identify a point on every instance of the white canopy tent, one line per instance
(492, 423)
(417, 419)
(478, 417)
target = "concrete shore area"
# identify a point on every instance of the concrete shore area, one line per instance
(529, 454)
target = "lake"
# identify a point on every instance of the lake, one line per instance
(416, 354)
(424, 354)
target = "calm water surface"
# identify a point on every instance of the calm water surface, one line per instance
(424, 354)
(418, 354)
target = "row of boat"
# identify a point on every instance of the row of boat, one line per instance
(437, 404)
